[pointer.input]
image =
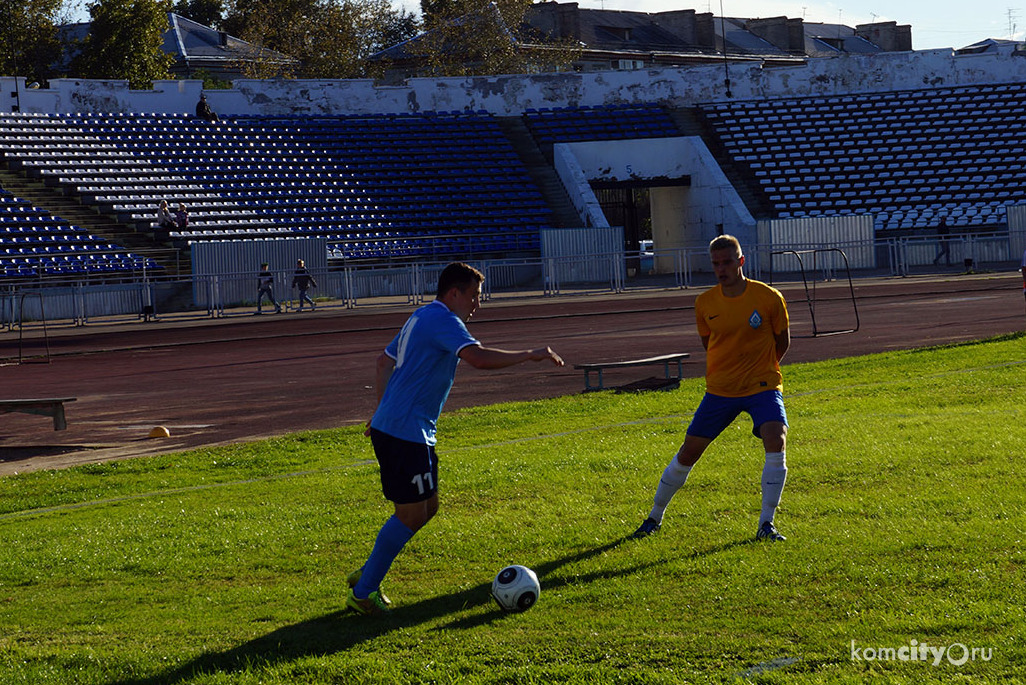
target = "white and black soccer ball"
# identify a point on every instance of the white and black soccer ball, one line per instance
(516, 588)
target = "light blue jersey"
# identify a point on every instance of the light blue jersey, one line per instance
(426, 352)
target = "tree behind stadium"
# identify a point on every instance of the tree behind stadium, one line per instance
(206, 12)
(28, 38)
(479, 37)
(326, 38)
(125, 40)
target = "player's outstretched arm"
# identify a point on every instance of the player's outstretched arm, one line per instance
(493, 358)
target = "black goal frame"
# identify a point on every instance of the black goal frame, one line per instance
(810, 295)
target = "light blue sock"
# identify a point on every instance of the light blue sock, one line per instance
(392, 537)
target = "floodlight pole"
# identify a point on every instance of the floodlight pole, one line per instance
(726, 63)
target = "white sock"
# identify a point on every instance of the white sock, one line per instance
(672, 480)
(774, 473)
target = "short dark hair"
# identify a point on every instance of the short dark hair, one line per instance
(726, 242)
(458, 275)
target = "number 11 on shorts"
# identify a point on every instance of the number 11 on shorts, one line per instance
(419, 481)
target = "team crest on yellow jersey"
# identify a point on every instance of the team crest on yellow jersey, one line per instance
(755, 320)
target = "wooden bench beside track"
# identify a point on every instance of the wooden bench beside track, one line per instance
(50, 406)
(665, 359)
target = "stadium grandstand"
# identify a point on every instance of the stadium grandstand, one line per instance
(908, 158)
(434, 184)
(33, 242)
(510, 172)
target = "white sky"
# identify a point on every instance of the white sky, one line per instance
(935, 23)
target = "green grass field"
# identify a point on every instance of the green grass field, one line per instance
(904, 510)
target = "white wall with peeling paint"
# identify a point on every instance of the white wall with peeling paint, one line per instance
(511, 95)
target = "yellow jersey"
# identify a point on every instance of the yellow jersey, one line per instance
(741, 357)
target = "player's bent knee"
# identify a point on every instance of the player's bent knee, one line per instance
(416, 515)
(692, 449)
(774, 436)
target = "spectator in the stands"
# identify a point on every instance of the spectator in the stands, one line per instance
(165, 220)
(182, 217)
(203, 110)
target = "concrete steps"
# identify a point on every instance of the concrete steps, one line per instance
(69, 208)
(541, 172)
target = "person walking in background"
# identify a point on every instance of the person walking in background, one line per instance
(944, 243)
(303, 280)
(413, 377)
(743, 326)
(265, 288)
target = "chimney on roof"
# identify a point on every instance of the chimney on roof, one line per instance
(705, 31)
(780, 32)
(554, 19)
(222, 38)
(680, 23)
(887, 35)
(690, 27)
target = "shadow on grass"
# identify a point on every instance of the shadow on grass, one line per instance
(340, 631)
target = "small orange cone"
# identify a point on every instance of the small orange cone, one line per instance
(160, 432)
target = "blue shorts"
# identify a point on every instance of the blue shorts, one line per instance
(715, 413)
(409, 470)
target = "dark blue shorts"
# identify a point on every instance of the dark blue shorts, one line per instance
(409, 470)
(715, 413)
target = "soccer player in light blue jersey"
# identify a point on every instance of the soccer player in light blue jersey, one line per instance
(413, 378)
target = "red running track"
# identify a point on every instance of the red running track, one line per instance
(240, 378)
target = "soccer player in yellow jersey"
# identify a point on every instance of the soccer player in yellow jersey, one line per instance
(743, 327)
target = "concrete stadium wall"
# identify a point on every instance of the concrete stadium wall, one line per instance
(576, 183)
(510, 95)
(681, 215)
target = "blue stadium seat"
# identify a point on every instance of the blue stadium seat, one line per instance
(264, 169)
(912, 149)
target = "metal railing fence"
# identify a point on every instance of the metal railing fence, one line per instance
(82, 301)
